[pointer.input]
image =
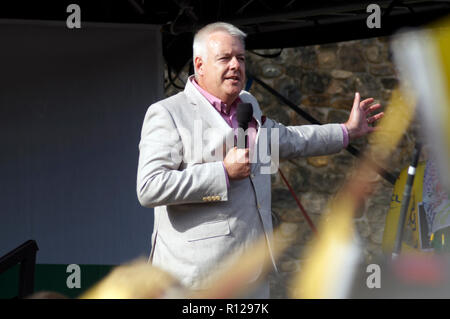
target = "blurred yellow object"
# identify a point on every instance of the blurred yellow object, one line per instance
(135, 280)
(331, 259)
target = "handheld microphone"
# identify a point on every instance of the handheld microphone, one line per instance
(244, 116)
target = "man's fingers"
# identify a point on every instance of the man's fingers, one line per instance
(373, 108)
(243, 155)
(356, 100)
(376, 117)
(366, 103)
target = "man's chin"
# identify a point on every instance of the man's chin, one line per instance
(235, 89)
(234, 94)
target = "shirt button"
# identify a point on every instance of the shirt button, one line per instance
(252, 175)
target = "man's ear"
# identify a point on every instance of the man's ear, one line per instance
(198, 62)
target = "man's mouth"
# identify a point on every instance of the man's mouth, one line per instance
(233, 78)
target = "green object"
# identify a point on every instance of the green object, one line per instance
(53, 277)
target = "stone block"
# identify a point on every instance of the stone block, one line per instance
(327, 182)
(344, 103)
(351, 59)
(316, 111)
(294, 72)
(314, 202)
(376, 212)
(308, 57)
(337, 87)
(278, 112)
(341, 74)
(289, 89)
(327, 59)
(293, 215)
(338, 116)
(366, 85)
(373, 54)
(315, 82)
(318, 161)
(270, 70)
(289, 230)
(381, 70)
(320, 100)
(300, 178)
(377, 235)
(363, 228)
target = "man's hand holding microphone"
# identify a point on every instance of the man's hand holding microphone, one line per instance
(237, 160)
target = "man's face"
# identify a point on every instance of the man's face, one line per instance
(223, 72)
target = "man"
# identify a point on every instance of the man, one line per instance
(207, 208)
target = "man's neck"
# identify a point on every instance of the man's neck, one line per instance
(227, 102)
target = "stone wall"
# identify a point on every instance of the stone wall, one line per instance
(322, 80)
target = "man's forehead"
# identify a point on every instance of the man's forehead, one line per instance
(222, 42)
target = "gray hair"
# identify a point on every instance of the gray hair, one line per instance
(199, 46)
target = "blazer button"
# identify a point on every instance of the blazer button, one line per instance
(252, 175)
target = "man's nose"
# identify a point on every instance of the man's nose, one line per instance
(234, 63)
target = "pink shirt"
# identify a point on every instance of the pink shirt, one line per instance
(230, 117)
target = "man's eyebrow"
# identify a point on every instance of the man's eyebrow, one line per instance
(219, 55)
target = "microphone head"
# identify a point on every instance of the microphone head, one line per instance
(244, 114)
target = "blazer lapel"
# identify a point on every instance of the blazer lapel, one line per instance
(209, 115)
(205, 110)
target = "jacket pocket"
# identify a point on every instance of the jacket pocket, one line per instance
(208, 230)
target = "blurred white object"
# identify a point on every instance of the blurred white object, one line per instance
(419, 56)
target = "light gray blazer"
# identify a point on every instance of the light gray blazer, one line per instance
(198, 219)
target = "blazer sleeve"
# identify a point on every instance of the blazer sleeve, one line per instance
(305, 140)
(160, 180)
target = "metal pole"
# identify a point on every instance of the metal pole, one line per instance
(405, 201)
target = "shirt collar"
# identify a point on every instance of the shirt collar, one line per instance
(220, 106)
